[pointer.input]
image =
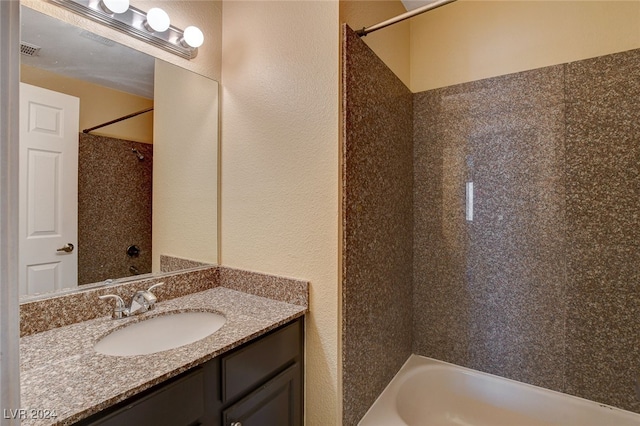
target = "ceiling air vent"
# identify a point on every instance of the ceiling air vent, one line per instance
(29, 49)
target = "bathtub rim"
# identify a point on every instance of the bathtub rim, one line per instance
(384, 409)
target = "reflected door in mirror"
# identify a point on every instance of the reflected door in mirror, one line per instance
(48, 164)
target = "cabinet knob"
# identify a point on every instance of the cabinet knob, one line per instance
(236, 424)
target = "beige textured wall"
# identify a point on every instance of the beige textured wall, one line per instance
(280, 166)
(206, 15)
(98, 104)
(185, 166)
(473, 39)
(390, 44)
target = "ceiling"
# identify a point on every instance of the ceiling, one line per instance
(77, 53)
(413, 4)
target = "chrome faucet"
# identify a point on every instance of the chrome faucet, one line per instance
(142, 301)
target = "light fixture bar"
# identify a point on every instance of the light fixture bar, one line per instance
(131, 22)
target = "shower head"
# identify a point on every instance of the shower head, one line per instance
(138, 154)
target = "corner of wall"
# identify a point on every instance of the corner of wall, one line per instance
(391, 44)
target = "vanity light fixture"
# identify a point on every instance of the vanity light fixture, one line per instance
(193, 37)
(153, 27)
(157, 20)
(114, 6)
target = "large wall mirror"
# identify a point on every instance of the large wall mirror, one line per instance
(123, 200)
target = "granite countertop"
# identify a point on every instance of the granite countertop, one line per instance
(61, 372)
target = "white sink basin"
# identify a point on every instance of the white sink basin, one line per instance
(160, 333)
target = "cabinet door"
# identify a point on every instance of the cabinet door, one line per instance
(277, 403)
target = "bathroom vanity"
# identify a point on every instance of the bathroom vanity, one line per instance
(259, 383)
(248, 372)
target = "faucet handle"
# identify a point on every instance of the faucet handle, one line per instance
(150, 298)
(120, 306)
(155, 286)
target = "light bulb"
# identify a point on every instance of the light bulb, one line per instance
(114, 6)
(193, 36)
(157, 20)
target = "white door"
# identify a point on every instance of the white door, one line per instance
(48, 181)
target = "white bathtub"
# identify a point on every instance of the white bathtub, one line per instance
(427, 392)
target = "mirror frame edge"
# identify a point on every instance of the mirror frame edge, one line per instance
(9, 299)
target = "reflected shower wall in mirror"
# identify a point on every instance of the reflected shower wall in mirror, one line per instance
(123, 187)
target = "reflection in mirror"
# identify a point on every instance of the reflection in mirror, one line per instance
(112, 170)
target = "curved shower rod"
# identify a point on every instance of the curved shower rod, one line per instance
(410, 14)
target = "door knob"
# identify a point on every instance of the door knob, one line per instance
(67, 248)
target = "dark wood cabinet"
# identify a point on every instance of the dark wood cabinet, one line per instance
(180, 402)
(277, 403)
(258, 384)
(254, 364)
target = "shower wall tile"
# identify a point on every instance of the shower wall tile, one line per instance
(440, 240)
(114, 207)
(543, 285)
(603, 217)
(487, 293)
(377, 226)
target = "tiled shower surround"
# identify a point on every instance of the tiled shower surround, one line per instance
(114, 207)
(543, 286)
(377, 228)
(489, 293)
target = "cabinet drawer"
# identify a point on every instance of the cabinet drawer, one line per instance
(180, 403)
(252, 365)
